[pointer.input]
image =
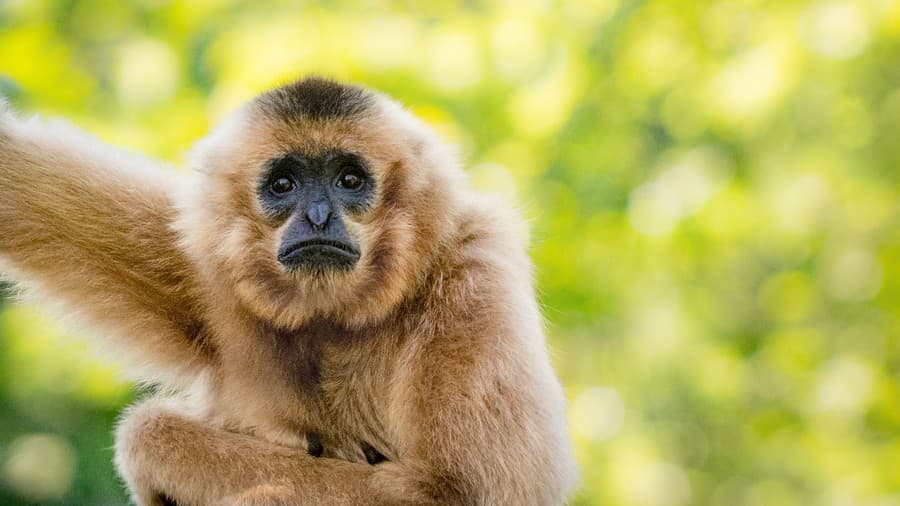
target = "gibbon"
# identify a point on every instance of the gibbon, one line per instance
(341, 319)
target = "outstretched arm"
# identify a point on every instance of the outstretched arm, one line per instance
(90, 225)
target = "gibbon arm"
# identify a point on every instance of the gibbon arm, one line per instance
(89, 225)
(161, 452)
(488, 436)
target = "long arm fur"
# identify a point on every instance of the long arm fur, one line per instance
(156, 444)
(89, 225)
(488, 435)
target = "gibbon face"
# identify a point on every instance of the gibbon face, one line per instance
(312, 196)
(319, 199)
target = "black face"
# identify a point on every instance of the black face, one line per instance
(313, 195)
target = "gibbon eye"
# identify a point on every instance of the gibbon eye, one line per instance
(351, 178)
(281, 185)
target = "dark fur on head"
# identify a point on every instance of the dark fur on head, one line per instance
(315, 98)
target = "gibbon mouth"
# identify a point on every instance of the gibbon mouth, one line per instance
(317, 253)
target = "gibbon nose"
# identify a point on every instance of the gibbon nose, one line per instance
(318, 214)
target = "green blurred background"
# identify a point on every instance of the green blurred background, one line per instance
(713, 189)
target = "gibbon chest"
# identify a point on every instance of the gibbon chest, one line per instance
(322, 391)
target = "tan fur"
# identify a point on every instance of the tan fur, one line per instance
(430, 350)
